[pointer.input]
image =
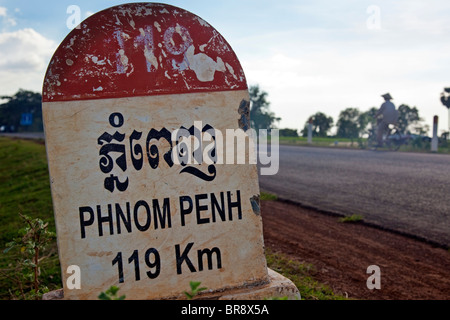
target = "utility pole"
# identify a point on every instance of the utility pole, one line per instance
(435, 140)
(310, 130)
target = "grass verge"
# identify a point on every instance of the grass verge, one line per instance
(268, 196)
(24, 188)
(352, 219)
(301, 275)
(361, 143)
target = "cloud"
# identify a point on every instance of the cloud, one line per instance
(6, 19)
(24, 56)
(329, 66)
(331, 79)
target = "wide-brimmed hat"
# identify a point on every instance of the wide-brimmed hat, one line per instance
(387, 96)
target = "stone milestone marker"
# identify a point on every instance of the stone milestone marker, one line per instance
(136, 205)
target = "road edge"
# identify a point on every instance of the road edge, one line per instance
(361, 222)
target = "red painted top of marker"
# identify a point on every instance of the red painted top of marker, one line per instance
(141, 49)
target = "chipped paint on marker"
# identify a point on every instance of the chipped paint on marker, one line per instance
(203, 66)
(145, 39)
(231, 70)
(244, 112)
(132, 24)
(125, 36)
(157, 26)
(122, 67)
(255, 205)
(148, 53)
(71, 43)
(118, 21)
(156, 47)
(97, 61)
(203, 23)
(169, 42)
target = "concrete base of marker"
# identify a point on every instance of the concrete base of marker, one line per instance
(278, 286)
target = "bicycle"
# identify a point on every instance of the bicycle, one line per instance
(392, 141)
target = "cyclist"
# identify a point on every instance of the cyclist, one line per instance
(389, 116)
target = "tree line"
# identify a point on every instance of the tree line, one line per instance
(352, 123)
(15, 107)
(12, 109)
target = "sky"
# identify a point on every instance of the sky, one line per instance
(308, 55)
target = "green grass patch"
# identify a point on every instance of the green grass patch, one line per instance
(268, 196)
(321, 142)
(352, 219)
(302, 276)
(24, 188)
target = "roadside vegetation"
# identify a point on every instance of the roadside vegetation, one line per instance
(351, 219)
(302, 275)
(268, 196)
(417, 145)
(350, 130)
(25, 190)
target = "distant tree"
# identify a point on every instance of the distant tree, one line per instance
(321, 124)
(288, 133)
(351, 123)
(260, 115)
(367, 120)
(445, 98)
(22, 102)
(408, 117)
(422, 129)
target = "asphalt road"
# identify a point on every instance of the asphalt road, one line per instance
(406, 192)
(24, 135)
